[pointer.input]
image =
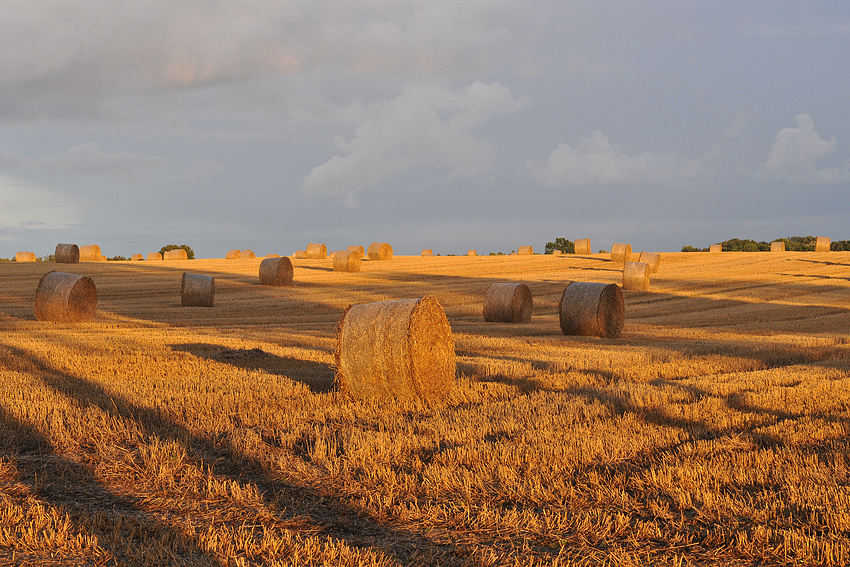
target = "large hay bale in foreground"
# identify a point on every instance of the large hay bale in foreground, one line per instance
(823, 244)
(525, 250)
(621, 253)
(197, 290)
(317, 251)
(233, 255)
(90, 253)
(715, 248)
(508, 303)
(636, 276)
(248, 254)
(347, 261)
(380, 251)
(651, 258)
(65, 298)
(592, 309)
(276, 271)
(136, 257)
(582, 246)
(25, 257)
(401, 348)
(153, 256)
(777, 246)
(359, 249)
(427, 252)
(176, 254)
(66, 254)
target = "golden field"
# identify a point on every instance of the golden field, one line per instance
(714, 431)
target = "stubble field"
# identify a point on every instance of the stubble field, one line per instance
(714, 431)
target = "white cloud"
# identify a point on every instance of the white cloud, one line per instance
(796, 152)
(596, 161)
(426, 126)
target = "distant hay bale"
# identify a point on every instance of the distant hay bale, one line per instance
(823, 244)
(176, 254)
(427, 252)
(653, 259)
(65, 298)
(136, 257)
(508, 303)
(103, 258)
(583, 246)
(359, 249)
(272, 256)
(317, 251)
(557, 252)
(777, 246)
(197, 290)
(525, 250)
(155, 256)
(90, 253)
(636, 276)
(300, 254)
(248, 254)
(472, 252)
(347, 261)
(400, 348)
(276, 271)
(592, 309)
(380, 251)
(67, 254)
(621, 253)
(715, 248)
(25, 257)
(233, 255)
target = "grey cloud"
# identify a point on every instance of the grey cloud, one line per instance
(796, 153)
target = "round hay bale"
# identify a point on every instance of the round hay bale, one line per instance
(621, 253)
(25, 257)
(248, 254)
(136, 257)
(427, 252)
(103, 258)
(525, 250)
(155, 256)
(592, 309)
(508, 303)
(472, 252)
(636, 276)
(67, 254)
(401, 348)
(651, 258)
(272, 255)
(176, 254)
(777, 246)
(714, 248)
(557, 252)
(197, 290)
(300, 254)
(347, 261)
(317, 251)
(65, 298)
(233, 255)
(823, 244)
(276, 271)
(380, 251)
(583, 246)
(359, 249)
(90, 253)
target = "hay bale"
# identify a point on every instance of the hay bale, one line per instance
(380, 251)
(636, 276)
(471, 253)
(25, 257)
(197, 290)
(155, 256)
(823, 244)
(592, 309)
(427, 252)
(525, 250)
(715, 248)
(233, 255)
(103, 258)
(65, 298)
(67, 254)
(401, 348)
(621, 253)
(276, 271)
(359, 249)
(248, 254)
(583, 246)
(557, 252)
(176, 254)
(90, 253)
(300, 254)
(651, 258)
(347, 261)
(508, 303)
(777, 246)
(137, 257)
(272, 256)
(317, 251)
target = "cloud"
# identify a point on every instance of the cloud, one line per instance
(28, 205)
(201, 169)
(796, 152)
(425, 126)
(88, 158)
(596, 161)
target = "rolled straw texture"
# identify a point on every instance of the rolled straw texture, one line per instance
(777, 246)
(822, 244)
(272, 255)
(653, 259)
(176, 254)
(583, 246)
(525, 250)
(65, 298)
(137, 257)
(508, 303)
(400, 348)
(90, 253)
(347, 261)
(636, 276)
(592, 309)
(155, 256)
(621, 253)
(317, 251)
(197, 290)
(715, 248)
(248, 254)
(300, 254)
(427, 252)
(276, 271)
(25, 257)
(67, 254)
(380, 251)
(359, 249)
(472, 253)
(233, 255)
(557, 252)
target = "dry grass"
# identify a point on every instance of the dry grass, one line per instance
(713, 431)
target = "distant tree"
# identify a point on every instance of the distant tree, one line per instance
(562, 244)
(189, 252)
(689, 248)
(7, 260)
(497, 253)
(48, 258)
(840, 245)
(117, 259)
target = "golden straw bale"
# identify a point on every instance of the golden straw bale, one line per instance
(508, 303)
(777, 246)
(197, 290)
(90, 253)
(176, 254)
(155, 256)
(472, 252)
(525, 250)
(592, 309)
(276, 271)
(621, 253)
(347, 261)
(65, 298)
(636, 276)
(248, 254)
(380, 251)
(359, 249)
(25, 257)
(400, 348)
(651, 258)
(557, 252)
(233, 255)
(300, 254)
(427, 252)
(103, 258)
(272, 256)
(137, 257)
(67, 254)
(715, 248)
(823, 244)
(317, 251)
(583, 246)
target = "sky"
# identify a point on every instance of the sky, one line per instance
(484, 124)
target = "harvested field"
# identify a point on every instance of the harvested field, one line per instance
(714, 430)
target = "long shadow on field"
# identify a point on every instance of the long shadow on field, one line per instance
(317, 376)
(322, 511)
